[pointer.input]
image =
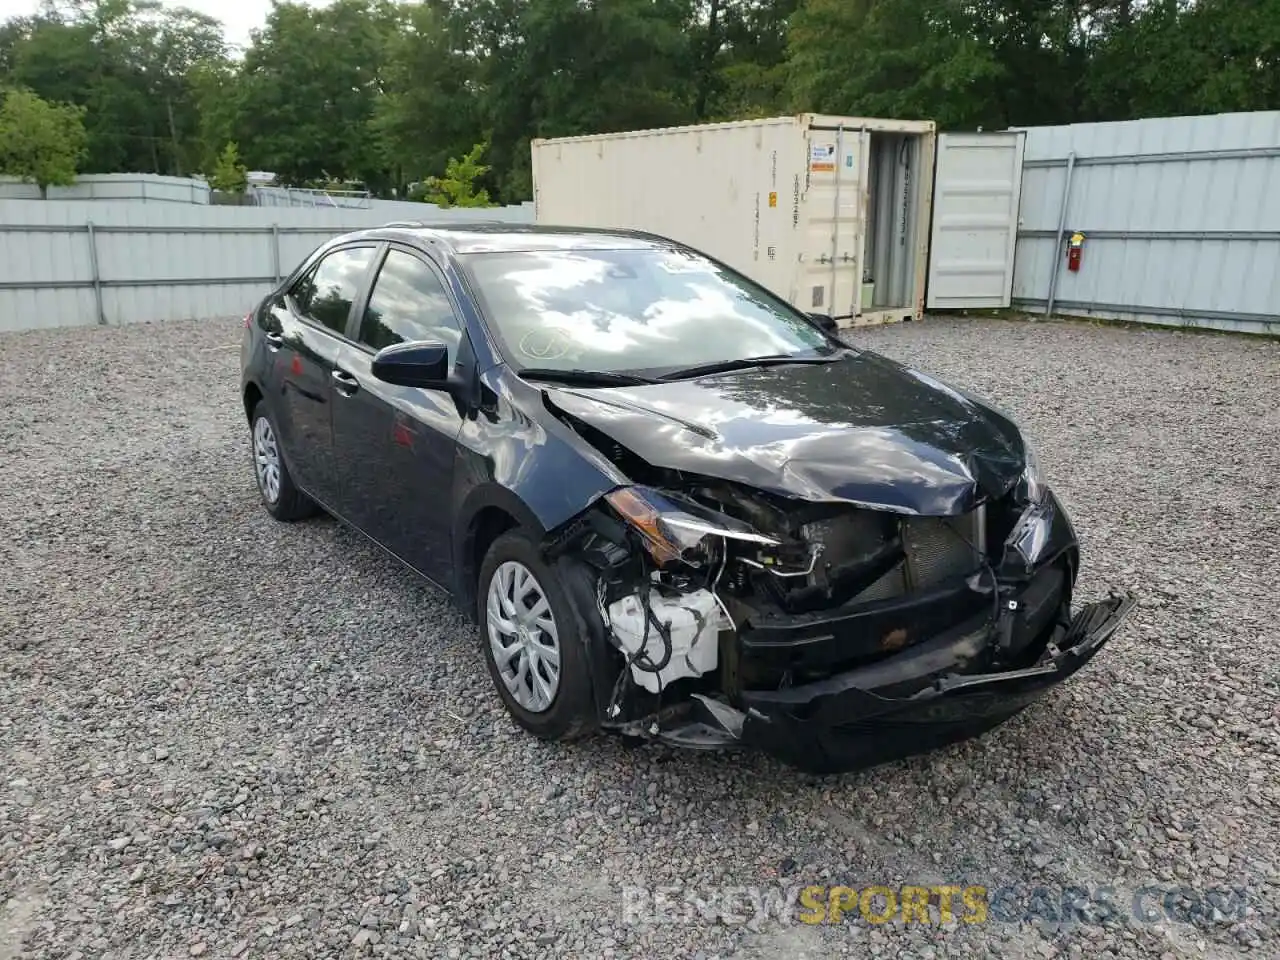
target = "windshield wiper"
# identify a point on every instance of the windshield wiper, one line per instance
(585, 378)
(745, 363)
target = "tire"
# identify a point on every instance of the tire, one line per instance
(569, 713)
(283, 500)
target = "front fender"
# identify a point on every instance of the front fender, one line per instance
(519, 458)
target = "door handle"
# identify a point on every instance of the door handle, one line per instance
(344, 382)
(274, 341)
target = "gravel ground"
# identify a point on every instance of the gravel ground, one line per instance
(226, 737)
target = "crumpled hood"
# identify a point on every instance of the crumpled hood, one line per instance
(862, 429)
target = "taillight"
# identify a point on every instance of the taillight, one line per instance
(248, 320)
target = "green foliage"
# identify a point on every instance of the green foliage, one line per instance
(40, 142)
(374, 90)
(229, 174)
(128, 62)
(562, 67)
(457, 188)
(308, 89)
(998, 63)
(215, 96)
(742, 46)
(430, 110)
(894, 58)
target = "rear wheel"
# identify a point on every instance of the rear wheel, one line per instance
(532, 641)
(282, 499)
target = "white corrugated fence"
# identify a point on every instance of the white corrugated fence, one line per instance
(72, 263)
(146, 187)
(1181, 218)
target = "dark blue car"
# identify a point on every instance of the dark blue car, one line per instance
(677, 507)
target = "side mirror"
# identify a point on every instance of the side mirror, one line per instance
(420, 363)
(825, 321)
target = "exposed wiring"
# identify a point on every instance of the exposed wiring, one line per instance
(986, 567)
(640, 659)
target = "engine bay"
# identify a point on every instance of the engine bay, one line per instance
(684, 572)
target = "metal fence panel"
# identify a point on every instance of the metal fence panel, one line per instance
(147, 187)
(1181, 217)
(75, 263)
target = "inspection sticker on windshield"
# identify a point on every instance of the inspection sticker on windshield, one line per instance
(677, 263)
(822, 157)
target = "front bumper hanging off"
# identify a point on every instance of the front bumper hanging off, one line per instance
(916, 701)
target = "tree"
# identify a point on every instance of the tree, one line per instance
(1238, 44)
(432, 107)
(594, 67)
(215, 96)
(1172, 57)
(373, 90)
(13, 37)
(127, 62)
(997, 63)
(229, 174)
(308, 89)
(913, 59)
(457, 188)
(748, 70)
(40, 142)
(166, 46)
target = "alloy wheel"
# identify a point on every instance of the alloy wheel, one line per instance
(523, 636)
(266, 458)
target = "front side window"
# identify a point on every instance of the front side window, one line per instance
(300, 293)
(325, 295)
(632, 310)
(408, 303)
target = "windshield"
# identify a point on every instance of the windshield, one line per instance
(632, 310)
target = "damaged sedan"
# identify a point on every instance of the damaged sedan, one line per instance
(677, 508)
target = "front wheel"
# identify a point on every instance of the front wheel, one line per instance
(532, 641)
(282, 499)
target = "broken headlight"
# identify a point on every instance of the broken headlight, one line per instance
(1033, 485)
(672, 527)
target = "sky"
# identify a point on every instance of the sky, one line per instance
(238, 16)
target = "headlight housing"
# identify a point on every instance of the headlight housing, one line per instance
(674, 528)
(1033, 483)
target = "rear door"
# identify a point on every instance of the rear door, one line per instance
(396, 445)
(977, 186)
(309, 325)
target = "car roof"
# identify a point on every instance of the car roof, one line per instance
(499, 237)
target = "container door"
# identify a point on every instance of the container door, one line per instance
(977, 185)
(834, 213)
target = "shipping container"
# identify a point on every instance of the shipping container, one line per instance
(831, 213)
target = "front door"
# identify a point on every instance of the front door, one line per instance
(306, 334)
(397, 444)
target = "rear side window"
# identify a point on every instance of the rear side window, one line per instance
(408, 302)
(326, 293)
